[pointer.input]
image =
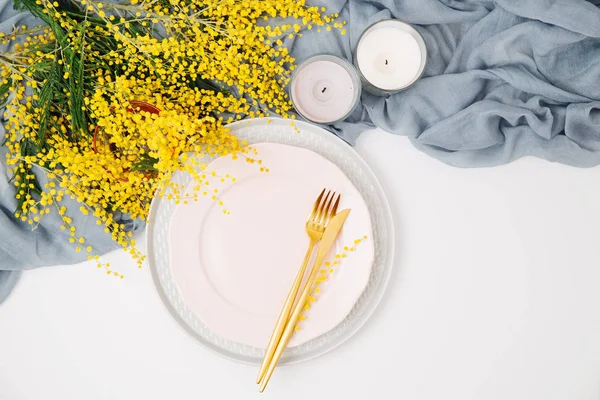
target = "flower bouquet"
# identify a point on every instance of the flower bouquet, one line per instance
(106, 101)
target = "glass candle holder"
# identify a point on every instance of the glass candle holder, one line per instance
(325, 89)
(390, 56)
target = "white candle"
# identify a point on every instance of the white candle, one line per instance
(390, 56)
(325, 89)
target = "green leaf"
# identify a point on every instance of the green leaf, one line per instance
(76, 91)
(145, 163)
(38, 11)
(207, 85)
(4, 94)
(46, 98)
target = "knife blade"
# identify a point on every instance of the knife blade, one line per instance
(331, 232)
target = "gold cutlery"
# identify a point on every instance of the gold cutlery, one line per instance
(331, 232)
(315, 226)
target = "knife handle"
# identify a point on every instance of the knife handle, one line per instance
(289, 328)
(285, 313)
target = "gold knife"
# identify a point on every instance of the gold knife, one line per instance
(331, 232)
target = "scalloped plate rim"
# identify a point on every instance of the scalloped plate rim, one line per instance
(375, 298)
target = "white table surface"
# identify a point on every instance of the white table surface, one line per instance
(495, 295)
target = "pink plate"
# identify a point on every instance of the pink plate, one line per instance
(234, 271)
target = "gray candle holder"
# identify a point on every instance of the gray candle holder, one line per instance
(368, 86)
(344, 64)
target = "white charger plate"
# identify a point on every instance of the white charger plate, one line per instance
(219, 338)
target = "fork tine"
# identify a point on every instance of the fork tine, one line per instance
(334, 208)
(322, 209)
(325, 214)
(315, 209)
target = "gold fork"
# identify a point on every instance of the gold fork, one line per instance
(334, 225)
(315, 226)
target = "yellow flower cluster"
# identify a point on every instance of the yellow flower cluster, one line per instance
(111, 99)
